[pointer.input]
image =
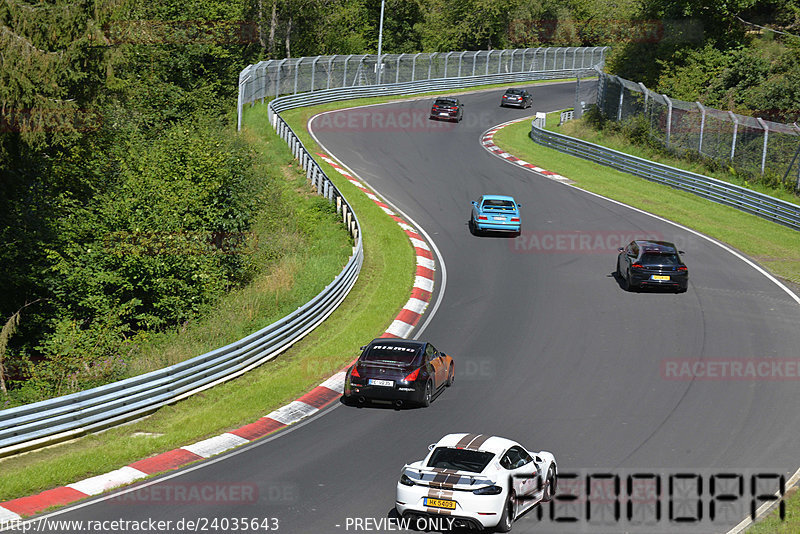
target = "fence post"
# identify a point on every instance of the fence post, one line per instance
(314, 71)
(488, 59)
(296, 73)
(702, 126)
(544, 66)
(500, 62)
(735, 132)
(430, 65)
(461, 62)
(646, 95)
(344, 78)
(669, 117)
(330, 71)
(764, 149)
(446, 59)
(621, 96)
(414, 66)
(511, 66)
(397, 74)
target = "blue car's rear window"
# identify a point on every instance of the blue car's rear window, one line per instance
(494, 204)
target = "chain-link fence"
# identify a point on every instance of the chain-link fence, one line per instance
(750, 144)
(268, 79)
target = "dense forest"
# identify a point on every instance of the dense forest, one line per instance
(116, 142)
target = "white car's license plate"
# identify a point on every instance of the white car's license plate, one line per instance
(375, 382)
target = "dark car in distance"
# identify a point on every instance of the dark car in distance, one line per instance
(652, 264)
(399, 371)
(447, 108)
(516, 97)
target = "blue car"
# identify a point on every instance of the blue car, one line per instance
(495, 213)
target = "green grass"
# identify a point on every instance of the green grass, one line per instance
(585, 130)
(773, 524)
(383, 287)
(774, 246)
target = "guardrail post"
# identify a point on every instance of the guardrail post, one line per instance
(735, 132)
(764, 149)
(669, 117)
(702, 109)
(338, 204)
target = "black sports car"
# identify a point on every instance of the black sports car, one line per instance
(516, 97)
(448, 108)
(400, 371)
(652, 263)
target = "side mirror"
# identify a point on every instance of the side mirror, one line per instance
(431, 446)
(681, 252)
(620, 249)
(474, 203)
(362, 348)
(538, 459)
(519, 205)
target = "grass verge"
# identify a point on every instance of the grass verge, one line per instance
(616, 140)
(774, 246)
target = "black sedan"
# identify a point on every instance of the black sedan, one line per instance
(447, 108)
(653, 264)
(516, 97)
(398, 371)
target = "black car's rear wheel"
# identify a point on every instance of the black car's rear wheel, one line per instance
(428, 395)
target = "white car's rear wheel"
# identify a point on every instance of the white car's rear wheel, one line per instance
(509, 511)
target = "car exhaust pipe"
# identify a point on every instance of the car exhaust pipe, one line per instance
(398, 404)
(362, 399)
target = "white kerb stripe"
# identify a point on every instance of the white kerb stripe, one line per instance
(407, 227)
(373, 197)
(336, 382)
(416, 305)
(416, 243)
(7, 516)
(112, 479)
(387, 211)
(292, 412)
(211, 446)
(399, 329)
(428, 263)
(423, 283)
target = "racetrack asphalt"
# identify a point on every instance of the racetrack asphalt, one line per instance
(549, 350)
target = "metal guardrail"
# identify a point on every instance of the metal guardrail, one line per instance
(741, 198)
(42, 423)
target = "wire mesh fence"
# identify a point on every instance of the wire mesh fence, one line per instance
(268, 79)
(750, 144)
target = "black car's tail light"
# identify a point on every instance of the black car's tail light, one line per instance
(637, 266)
(489, 490)
(412, 376)
(682, 268)
(355, 372)
(404, 480)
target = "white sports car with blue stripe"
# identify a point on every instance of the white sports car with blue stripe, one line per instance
(476, 481)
